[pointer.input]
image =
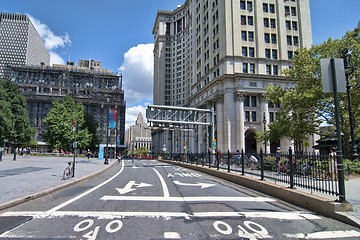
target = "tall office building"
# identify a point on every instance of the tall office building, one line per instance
(222, 54)
(20, 43)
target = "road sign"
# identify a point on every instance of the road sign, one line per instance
(306, 144)
(327, 76)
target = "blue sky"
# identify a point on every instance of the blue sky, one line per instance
(119, 34)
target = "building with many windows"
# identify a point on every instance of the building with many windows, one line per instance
(138, 135)
(96, 88)
(222, 54)
(20, 43)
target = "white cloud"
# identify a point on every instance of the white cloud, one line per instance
(138, 71)
(132, 113)
(51, 40)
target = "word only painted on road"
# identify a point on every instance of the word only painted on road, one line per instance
(184, 175)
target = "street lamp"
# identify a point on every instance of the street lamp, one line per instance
(107, 132)
(264, 122)
(349, 70)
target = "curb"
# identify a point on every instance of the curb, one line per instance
(20, 200)
(317, 204)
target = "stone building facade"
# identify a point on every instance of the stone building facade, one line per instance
(97, 89)
(222, 54)
(138, 135)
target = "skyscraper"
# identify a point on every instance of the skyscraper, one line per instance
(20, 43)
(222, 55)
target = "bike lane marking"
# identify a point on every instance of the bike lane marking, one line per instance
(49, 212)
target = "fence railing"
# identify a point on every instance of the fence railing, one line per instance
(309, 171)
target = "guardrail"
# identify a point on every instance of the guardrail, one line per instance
(310, 171)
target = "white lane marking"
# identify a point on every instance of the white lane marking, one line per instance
(86, 193)
(128, 187)
(325, 235)
(115, 215)
(188, 199)
(198, 184)
(171, 235)
(163, 184)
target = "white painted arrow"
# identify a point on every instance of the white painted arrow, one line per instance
(128, 188)
(202, 185)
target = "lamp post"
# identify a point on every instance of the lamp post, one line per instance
(264, 122)
(349, 70)
(107, 132)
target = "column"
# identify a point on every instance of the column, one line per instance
(220, 122)
(229, 121)
(240, 119)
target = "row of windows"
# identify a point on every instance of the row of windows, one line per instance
(249, 68)
(250, 116)
(248, 52)
(246, 5)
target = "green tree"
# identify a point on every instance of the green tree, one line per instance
(59, 125)
(91, 124)
(142, 150)
(14, 120)
(306, 106)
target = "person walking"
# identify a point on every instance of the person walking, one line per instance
(15, 152)
(88, 154)
(332, 163)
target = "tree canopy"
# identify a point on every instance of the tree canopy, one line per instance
(59, 125)
(305, 107)
(14, 120)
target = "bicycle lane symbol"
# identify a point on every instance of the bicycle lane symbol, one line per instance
(83, 226)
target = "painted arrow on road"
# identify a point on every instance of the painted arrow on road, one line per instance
(202, 185)
(128, 188)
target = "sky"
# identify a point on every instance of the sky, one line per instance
(119, 34)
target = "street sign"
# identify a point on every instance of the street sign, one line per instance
(327, 81)
(306, 144)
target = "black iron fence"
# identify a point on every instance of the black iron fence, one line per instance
(309, 171)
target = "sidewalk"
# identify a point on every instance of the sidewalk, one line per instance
(29, 176)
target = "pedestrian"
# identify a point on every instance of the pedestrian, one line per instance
(15, 152)
(1, 153)
(254, 161)
(88, 154)
(278, 157)
(332, 163)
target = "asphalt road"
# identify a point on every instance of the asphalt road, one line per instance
(152, 200)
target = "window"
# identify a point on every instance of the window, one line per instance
(271, 116)
(247, 101)
(296, 41)
(289, 40)
(267, 37)
(290, 54)
(274, 54)
(267, 53)
(272, 8)
(243, 20)
(294, 26)
(249, 6)
(287, 10)
(251, 52)
(242, 5)
(245, 68)
(244, 51)
(251, 36)
(268, 69)
(243, 35)
(275, 70)
(252, 68)
(266, 22)
(247, 116)
(250, 20)
(272, 23)
(288, 25)
(253, 116)
(253, 101)
(273, 38)
(293, 11)
(265, 7)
